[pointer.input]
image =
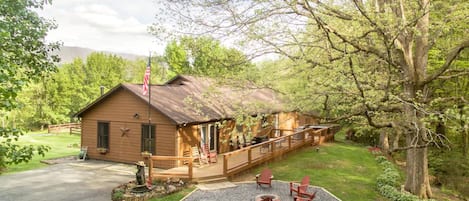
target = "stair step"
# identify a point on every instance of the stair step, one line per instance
(211, 180)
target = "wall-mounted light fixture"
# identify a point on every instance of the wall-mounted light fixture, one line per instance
(136, 116)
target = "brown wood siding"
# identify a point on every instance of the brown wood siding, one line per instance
(288, 121)
(119, 109)
(225, 135)
(308, 120)
(188, 136)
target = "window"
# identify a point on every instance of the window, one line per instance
(148, 138)
(239, 128)
(103, 135)
(212, 137)
(264, 122)
(276, 125)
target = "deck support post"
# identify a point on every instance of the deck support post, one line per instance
(150, 169)
(225, 165)
(249, 156)
(190, 168)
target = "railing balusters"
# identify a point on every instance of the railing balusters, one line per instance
(272, 150)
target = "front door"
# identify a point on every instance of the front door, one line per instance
(208, 135)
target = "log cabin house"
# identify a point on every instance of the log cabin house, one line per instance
(184, 112)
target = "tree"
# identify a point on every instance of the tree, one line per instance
(203, 56)
(78, 83)
(380, 48)
(25, 57)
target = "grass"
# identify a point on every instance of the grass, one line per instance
(175, 196)
(347, 170)
(61, 145)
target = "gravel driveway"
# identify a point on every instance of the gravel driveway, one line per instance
(78, 181)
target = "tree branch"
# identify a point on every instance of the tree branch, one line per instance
(453, 54)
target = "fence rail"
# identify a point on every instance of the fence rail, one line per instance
(245, 158)
(72, 128)
(153, 175)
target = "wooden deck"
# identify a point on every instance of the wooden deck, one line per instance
(234, 162)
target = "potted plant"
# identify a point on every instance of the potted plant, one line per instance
(101, 150)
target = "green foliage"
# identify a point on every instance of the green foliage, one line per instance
(118, 195)
(203, 56)
(24, 58)
(451, 170)
(388, 180)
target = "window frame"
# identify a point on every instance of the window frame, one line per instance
(144, 138)
(103, 135)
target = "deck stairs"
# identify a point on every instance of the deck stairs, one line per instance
(211, 179)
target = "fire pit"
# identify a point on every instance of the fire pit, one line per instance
(267, 197)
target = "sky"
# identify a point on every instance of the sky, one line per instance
(106, 25)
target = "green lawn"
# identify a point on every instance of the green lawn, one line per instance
(61, 145)
(175, 196)
(345, 169)
(348, 171)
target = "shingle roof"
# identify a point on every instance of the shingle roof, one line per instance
(188, 99)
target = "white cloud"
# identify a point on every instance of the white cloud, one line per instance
(119, 26)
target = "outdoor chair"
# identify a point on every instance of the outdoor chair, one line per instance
(212, 156)
(264, 178)
(201, 157)
(301, 188)
(83, 153)
(308, 197)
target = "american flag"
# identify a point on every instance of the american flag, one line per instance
(146, 78)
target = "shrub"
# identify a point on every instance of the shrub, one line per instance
(388, 181)
(118, 195)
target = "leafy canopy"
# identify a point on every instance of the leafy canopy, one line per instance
(24, 58)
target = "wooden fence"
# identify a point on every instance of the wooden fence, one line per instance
(72, 128)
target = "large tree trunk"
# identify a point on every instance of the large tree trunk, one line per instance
(417, 181)
(414, 59)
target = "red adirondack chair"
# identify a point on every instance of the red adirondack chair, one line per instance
(212, 156)
(264, 178)
(305, 197)
(301, 189)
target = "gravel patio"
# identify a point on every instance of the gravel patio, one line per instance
(248, 191)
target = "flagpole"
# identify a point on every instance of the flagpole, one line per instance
(149, 105)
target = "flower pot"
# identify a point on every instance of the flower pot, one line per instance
(102, 150)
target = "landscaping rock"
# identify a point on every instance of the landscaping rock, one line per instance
(171, 189)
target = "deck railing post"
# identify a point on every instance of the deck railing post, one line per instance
(304, 137)
(190, 168)
(150, 169)
(272, 145)
(249, 156)
(225, 165)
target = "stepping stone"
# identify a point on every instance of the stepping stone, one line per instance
(215, 186)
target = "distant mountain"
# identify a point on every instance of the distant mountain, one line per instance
(67, 54)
